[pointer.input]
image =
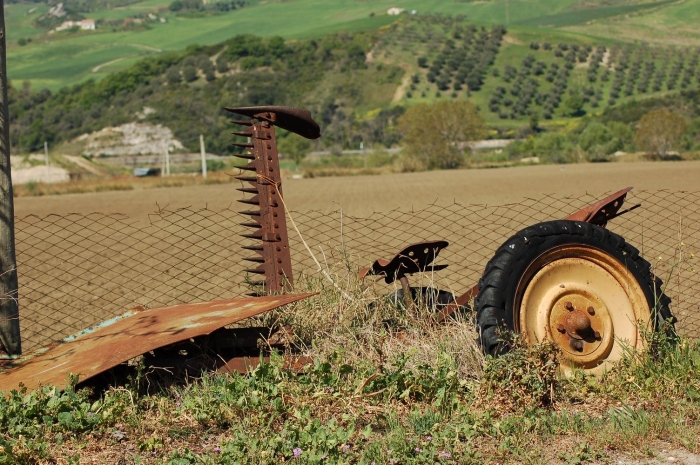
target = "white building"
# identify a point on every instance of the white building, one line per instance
(395, 11)
(87, 24)
(84, 24)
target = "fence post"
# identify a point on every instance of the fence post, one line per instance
(9, 307)
(204, 156)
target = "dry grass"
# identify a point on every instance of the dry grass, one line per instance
(91, 184)
(367, 326)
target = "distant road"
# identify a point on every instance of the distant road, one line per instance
(362, 195)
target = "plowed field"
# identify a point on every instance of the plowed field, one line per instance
(77, 268)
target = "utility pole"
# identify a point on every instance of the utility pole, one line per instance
(364, 155)
(204, 156)
(46, 155)
(167, 161)
(9, 306)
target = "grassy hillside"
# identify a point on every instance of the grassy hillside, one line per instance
(358, 84)
(126, 33)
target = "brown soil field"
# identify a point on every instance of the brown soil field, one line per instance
(363, 195)
(78, 268)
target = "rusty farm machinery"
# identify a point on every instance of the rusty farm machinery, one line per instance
(569, 281)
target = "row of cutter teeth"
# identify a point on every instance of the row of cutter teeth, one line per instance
(254, 200)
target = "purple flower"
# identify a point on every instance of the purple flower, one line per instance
(373, 463)
(445, 455)
(418, 450)
(428, 438)
(345, 448)
(297, 451)
(324, 457)
(217, 449)
(120, 426)
(330, 390)
(388, 452)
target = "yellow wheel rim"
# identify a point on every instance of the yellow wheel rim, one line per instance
(585, 301)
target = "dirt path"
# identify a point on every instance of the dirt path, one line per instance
(362, 195)
(98, 67)
(401, 90)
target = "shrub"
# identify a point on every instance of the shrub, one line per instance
(172, 75)
(433, 134)
(189, 73)
(659, 131)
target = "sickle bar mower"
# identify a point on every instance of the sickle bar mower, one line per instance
(569, 281)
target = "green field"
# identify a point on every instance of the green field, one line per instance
(570, 18)
(60, 59)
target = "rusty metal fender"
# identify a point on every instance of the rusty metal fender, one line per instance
(603, 210)
(137, 332)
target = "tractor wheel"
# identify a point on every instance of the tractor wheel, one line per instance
(575, 284)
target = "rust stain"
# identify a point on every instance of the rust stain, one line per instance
(111, 343)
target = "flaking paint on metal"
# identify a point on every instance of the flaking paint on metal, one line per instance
(136, 332)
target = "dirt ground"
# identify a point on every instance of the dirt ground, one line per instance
(77, 270)
(363, 195)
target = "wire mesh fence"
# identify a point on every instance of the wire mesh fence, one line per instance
(80, 269)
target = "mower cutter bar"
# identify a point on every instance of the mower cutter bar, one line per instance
(260, 150)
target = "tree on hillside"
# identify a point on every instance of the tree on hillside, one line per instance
(294, 147)
(659, 131)
(435, 135)
(573, 103)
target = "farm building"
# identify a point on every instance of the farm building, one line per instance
(395, 11)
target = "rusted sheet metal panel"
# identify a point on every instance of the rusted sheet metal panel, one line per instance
(136, 332)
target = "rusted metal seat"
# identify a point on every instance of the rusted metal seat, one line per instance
(414, 258)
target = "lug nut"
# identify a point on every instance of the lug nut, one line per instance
(561, 328)
(591, 310)
(569, 306)
(577, 345)
(596, 334)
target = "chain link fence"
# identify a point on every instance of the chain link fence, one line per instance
(80, 269)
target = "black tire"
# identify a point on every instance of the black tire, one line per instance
(498, 285)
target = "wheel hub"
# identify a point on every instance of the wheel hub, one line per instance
(578, 325)
(582, 300)
(582, 332)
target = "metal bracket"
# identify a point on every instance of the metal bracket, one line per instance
(603, 210)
